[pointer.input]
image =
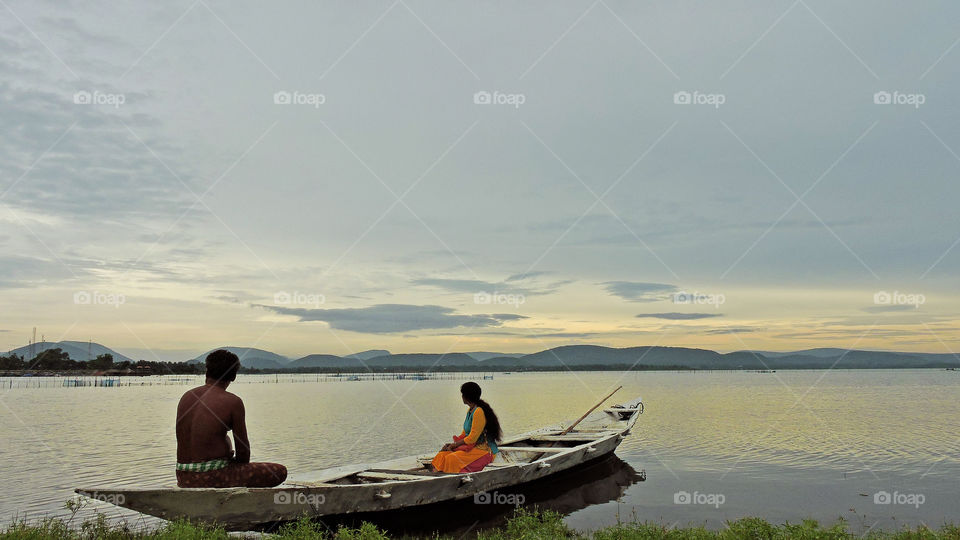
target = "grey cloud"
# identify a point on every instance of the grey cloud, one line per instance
(674, 316)
(571, 335)
(889, 308)
(638, 291)
(98, 168)
(17, 271)
(508, 316)
(527, 275)
(854, 333)
(472, 286)
(393, 318)
(699, 199)
(228, 299)
(457, 285)
(733, 330)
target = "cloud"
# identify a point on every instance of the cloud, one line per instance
(18, 272)
(473, 286)
(393, 318)
(459, 285)
(638, 291)
(228, 299)
(840, 333)
(95, 166)
(732, 330)
(570, 335)
(674, 316)
(527, 275)
(508, 316)
(889, 308)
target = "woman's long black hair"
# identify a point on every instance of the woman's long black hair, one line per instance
(471, 391)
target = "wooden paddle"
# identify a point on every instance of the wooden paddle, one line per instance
(573, 425)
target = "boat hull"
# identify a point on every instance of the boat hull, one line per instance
(255, 508)
(599, 481)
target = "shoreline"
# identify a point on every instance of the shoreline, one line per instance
(494, 370)
(531, 524)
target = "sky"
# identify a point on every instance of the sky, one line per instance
(424, 176)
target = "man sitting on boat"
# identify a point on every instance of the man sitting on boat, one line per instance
(205, 415)
(476, 446)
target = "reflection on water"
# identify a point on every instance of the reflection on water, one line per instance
(597, 482)
(760, 438)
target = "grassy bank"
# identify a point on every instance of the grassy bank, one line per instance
(523, 526)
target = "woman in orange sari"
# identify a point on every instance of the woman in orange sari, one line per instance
(476, 446)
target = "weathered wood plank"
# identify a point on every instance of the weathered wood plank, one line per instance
(532, 449)
(565, 438)
(374, 475)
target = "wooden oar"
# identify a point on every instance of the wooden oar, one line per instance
(573, 425)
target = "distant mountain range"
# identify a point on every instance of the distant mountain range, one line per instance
(250, 358)
(78, 350)
(366, 355)
(582, 357)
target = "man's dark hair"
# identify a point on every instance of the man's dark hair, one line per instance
(222, 366)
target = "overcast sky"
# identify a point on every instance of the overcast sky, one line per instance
(330, 177)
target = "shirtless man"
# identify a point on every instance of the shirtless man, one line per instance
(205, 457)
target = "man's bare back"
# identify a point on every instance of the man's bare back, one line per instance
(204, 417)
(205, 457)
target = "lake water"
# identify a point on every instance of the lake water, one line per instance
(714, 445)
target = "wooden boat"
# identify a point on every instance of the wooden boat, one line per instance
(389, 485)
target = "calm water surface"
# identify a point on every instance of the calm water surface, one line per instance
(784, 446)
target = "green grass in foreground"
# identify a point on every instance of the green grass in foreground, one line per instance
(525, 525)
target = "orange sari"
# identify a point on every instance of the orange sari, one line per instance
(474, 454)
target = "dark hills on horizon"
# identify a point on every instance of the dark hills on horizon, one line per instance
(574, 357)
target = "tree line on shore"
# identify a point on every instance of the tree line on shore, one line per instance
(57, 360)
